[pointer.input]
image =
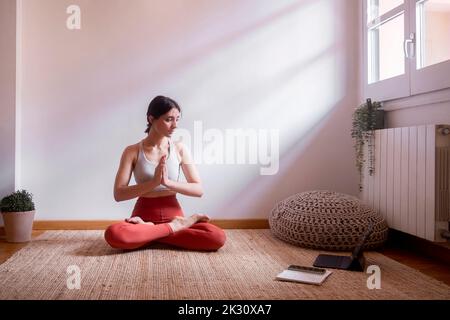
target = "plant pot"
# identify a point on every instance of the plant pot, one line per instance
(18, 225)
(379, 119)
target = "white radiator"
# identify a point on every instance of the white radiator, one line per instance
(410, 185)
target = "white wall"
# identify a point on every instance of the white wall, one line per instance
(257, 64)
(7, 96)
(436, 113)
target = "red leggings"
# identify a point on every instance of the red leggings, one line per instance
(160, 211)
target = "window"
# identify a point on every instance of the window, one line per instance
(433, 32)
(406, 47)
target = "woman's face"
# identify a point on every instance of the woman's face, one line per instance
(166, 124)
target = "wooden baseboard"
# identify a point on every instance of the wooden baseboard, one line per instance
(242, 224)
(103, 224)
(72, 224)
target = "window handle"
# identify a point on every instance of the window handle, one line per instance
(407, 43)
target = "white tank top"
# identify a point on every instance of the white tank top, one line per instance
(144, 169)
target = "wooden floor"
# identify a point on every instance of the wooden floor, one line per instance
(433, 267)
(7, 249)
(429, 266)
(430, 258)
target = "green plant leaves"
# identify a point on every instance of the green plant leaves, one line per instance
(17, 202)
(364, 122)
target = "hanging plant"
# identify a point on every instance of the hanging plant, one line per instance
(366, 118)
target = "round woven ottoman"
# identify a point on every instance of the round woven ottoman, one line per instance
(326, 220)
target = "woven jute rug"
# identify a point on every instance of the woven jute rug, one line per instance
(245, 268)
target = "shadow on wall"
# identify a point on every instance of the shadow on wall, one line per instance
(256, 64)
(183, 62)
(148, 72)
(319, 161)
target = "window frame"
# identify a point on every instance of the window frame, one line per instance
(414, 81)
(391, 88)
(431, 78)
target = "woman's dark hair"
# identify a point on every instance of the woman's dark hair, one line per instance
(159, 106)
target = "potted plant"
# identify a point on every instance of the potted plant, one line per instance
(18, 215)
(366, 118)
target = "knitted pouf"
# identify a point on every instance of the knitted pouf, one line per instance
(326, 220)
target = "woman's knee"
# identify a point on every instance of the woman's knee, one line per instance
(115, 237)
(217, 238)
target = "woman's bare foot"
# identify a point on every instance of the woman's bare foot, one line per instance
(202, 217)
(180, 223)
(137, 220)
